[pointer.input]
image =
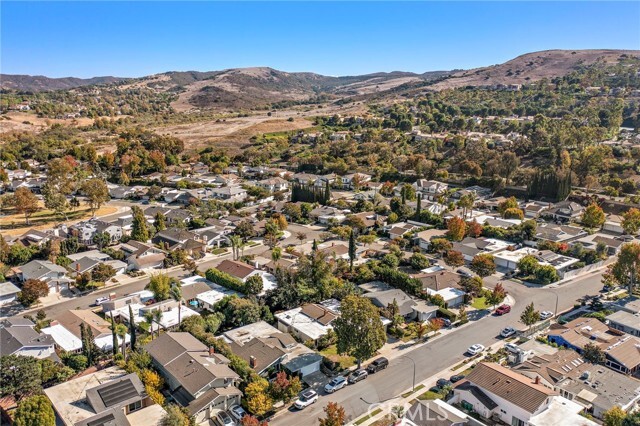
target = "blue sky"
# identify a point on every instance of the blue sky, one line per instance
(85, 39)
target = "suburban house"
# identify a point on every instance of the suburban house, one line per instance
(622, 351)
(8, 293)
(54, 275)
(327, 214)
(198, 378)
(85, 231)
(500, 394)
(87, 260)
(34, 237)
(351, 180)
(172, 313)
(423, 238)
(509, 259)
(65, 330)
(444, 283)
(18, 337)
(309, 322)
(626, 322)
(142, 256)
(400, 229)
(596, 388)
(566, 211)
(104, 398)
(229, 193)
(436, 412)
(613, 224)
(243, 271)
(534, 210)
(559, 233)
(382, 295)
(213, 236)
(471, 247)
(178, 238)
(267, 349)
(275, 184)
(430, 189)
(591, 242)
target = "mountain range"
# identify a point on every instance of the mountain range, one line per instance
(251, 87)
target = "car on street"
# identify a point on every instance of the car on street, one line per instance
(443, 382)
(465, 272)
(306, 398)
(377, 365)
(545, 315)
(101, 300)
(237, 412)
(456, 378)
(503, 309)
(358, 375)
(475, 349)
(223, 419)
(335, 384)
(507, 332)
(446, 322)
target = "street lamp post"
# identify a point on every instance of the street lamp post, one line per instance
(413, 388)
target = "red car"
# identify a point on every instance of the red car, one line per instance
(503, 309)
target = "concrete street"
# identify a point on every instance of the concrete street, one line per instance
(446, 351)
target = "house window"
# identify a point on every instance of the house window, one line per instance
(516, 421)
(135, 406)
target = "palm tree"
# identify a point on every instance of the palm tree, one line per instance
(121, 332)
(276, 254)
(157, 317)
(236, 242)
(148, 317)
(176, 294)
(301, 236)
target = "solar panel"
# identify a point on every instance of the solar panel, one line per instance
(115, 393)
(109, 420)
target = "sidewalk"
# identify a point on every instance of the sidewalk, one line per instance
(411, 396)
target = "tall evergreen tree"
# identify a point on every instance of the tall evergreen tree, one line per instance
(132, 329)
(114, 337)
(314, 246)
(327, 193)
(139, 228)
(352, 249)
(160, 222)
(418, 206)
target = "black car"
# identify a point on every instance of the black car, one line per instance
(456, 378)
(377, 365)
(442, 383)
(435, 389)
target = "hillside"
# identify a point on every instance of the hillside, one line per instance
(532, 67)
(38, 83)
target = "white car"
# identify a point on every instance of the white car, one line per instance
(507, 331)
(306, 398)
(512, 348)
(545, 315)
(101, 300)
(237, 412)
(475, 349)
(224, 419)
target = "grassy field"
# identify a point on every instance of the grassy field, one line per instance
(331, 353)
(430, 395)
(14, 224)
(480, 303)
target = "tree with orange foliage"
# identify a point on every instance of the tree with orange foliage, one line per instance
(456, 228)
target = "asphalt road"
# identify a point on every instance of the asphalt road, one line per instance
(442, 353)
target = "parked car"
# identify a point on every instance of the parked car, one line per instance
(306, 398)
(456, 378)
(503, 309)
(435, 389)
(101, 300)
(358, 375)
(446, 322)
(237, 412)
(377, 365)
(545, 315)
(507, 331)
(223, 419)
(475, 349)
(465, 272)
(335, 384)
(512, 347)
(443, 382)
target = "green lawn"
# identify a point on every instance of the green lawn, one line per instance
(430, 395)
(480, 303)
(406, 394)
(367, 417)
(332, 353)
(219, 250)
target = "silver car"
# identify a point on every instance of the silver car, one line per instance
(335, 384)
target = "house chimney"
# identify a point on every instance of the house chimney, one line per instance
(212, 350)
(252, 361)
(537, 381)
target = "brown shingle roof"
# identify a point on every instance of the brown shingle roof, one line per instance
(235, 268)
(318, 313)
(71, 320)
(507, 384)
